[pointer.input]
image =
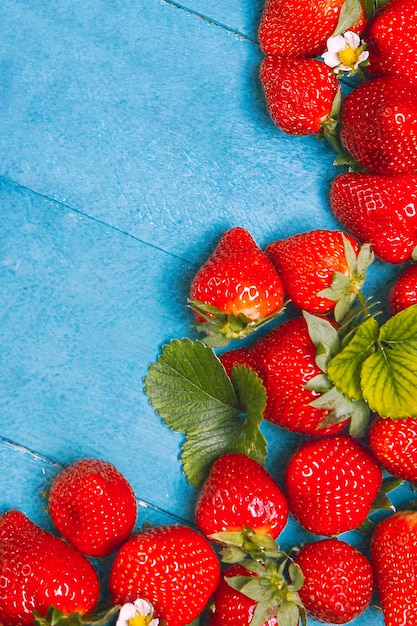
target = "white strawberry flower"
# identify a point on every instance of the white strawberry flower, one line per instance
(137, 613)
(345, 52)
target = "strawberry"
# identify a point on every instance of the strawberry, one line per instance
(173, 567)
(310, 262)
(331, 483)
(299, 93)
(240, 492)
(284, 359)
(93, 506)
(404, 291)
(394, 557)
(394, 444)
(380, 210)
(236, 289)
(295, 28)
(37, 570)
(338, 580)
(378, 125)
(391, 40)
(272, 598)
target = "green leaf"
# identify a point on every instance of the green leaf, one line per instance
(389, 376)
(190, 390)
(349, 14)
(401, 329)
(324, 336)
(389, 383)
(344, 370)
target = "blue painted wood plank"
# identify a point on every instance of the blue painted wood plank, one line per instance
(153, 139)
(240, 16)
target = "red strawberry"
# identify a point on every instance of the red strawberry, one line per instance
(307, 264)
(394, 444)
(236, 289)
(378, 125)
(381, 210)
(338, 581)
(240, 492)
(173, 567)
(404, 291)
(93, 506)
(231, 607)
(331, 484)
(284, 359)
(299, 93)
(391, 40)
(394, 556)
(37, 570)
(301, 28)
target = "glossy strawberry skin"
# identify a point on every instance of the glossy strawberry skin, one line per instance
(93, 506)
(232, 608)
(284, 359)
(238, 278)
(300, 28)
(394, 557)
(299, 93)
(331, 484)
(394, 444)
(173, 567)
(338, 581)
(306, 263)
(37, 569)
(391, 40)
(240, 492)
(380, 210)
(378, 125)
(403, 293)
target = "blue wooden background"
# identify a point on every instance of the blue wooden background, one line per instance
(132, 134)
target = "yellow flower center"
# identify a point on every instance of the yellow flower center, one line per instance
(349, 57)
(138, 620)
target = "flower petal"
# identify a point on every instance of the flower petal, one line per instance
(143, 607)
(363, 56)
(352, 39)
(126, 613)
(331, 59)
(336, 44)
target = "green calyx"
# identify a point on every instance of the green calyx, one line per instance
(238, 545)
(274, 587)
(345, 288)
(220, 328)
(55, 617)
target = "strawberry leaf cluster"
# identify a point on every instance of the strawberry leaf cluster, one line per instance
(191, 391)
